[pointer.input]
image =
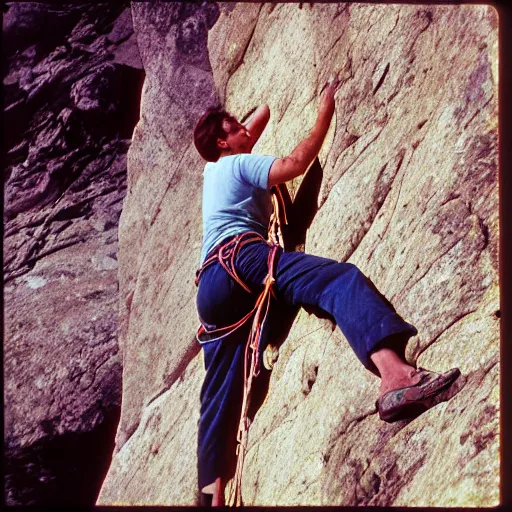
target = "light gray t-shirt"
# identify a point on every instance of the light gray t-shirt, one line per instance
(236, 198)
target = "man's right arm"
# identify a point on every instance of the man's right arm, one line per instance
(299, 160)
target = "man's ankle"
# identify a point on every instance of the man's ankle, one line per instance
(209, 489)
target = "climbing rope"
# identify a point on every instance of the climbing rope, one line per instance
(251, 370)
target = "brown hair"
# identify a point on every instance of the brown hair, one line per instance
(208, 130)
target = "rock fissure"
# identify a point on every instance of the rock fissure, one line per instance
(304, 488)
(345, 428)
(381, 79)
(452, 197)
(100, 365)
(285, 108)
(380, 236)
(181, 367)
(340, 10)
(333, 45)
(415, 281)
(177, 265)
(136, 286)
(157, 395)
(480, 375)
(370, 26)
(367, 489)
(169, 185)
(54, 249)
(396, 23)
(309, 333)
(368, 223)
(452, 323)
(485, 233)
(349, 75)
(232, 70)
(271, 8)
(428, 17)
(354, 161)
(237, 65)
(478, 112)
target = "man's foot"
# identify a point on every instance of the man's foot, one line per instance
(205, 500)
(393, 369)
(410, 401)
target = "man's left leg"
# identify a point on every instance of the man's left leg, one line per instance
(374, 330)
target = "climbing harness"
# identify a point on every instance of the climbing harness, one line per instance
(226, 256)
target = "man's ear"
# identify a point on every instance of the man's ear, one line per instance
(222, 144)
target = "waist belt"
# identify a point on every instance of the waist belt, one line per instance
(226, 254)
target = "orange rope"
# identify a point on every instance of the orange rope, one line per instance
(250, 372)
(226, 256)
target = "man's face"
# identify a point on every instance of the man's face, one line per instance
(237, 137)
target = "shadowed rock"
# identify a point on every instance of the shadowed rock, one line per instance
(72, 86)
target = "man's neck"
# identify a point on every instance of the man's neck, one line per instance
(230, 153)
(227, 153)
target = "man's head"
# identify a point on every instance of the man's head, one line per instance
(219, 133)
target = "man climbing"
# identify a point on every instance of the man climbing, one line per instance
(235, 261)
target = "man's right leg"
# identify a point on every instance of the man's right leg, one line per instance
(221, 402)
(221, 302)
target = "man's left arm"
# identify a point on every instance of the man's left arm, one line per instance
(257, 123)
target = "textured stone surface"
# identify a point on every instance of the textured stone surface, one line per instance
(409, 194)
(160, 229)
(72, 90)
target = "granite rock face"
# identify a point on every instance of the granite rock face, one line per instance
(159, 223)
(72, 80)
(408, 194)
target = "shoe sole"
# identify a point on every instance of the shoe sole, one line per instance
(415, 404)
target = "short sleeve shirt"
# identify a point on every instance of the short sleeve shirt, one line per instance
(236, 198)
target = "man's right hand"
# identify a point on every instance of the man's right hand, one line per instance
(326, 105)
(299, 160)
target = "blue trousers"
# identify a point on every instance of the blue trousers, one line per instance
(323, 286)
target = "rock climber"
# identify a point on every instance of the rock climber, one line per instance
(237, 204)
